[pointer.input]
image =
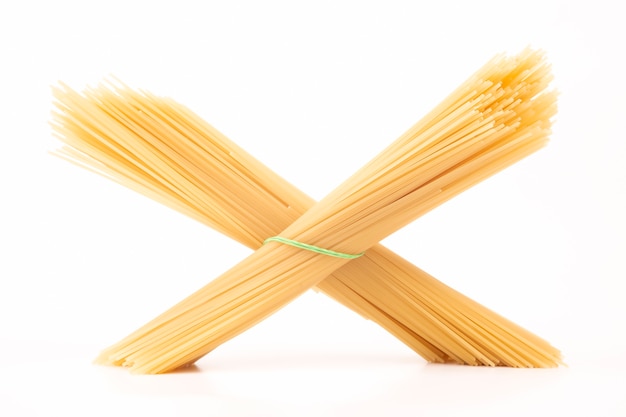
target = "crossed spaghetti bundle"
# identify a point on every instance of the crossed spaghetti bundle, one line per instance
(158, 147)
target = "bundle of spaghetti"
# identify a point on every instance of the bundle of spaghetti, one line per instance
(497, 117)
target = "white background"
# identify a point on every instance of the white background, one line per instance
(314, 90)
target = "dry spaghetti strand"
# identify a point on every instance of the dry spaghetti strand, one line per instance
(158, 147)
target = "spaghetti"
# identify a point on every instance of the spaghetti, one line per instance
(158, 147)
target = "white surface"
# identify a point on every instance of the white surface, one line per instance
(313, 91)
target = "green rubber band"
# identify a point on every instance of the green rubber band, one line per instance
(312, 248)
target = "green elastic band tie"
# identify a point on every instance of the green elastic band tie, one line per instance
(312, 248)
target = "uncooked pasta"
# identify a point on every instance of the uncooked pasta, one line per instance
(158, 147)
